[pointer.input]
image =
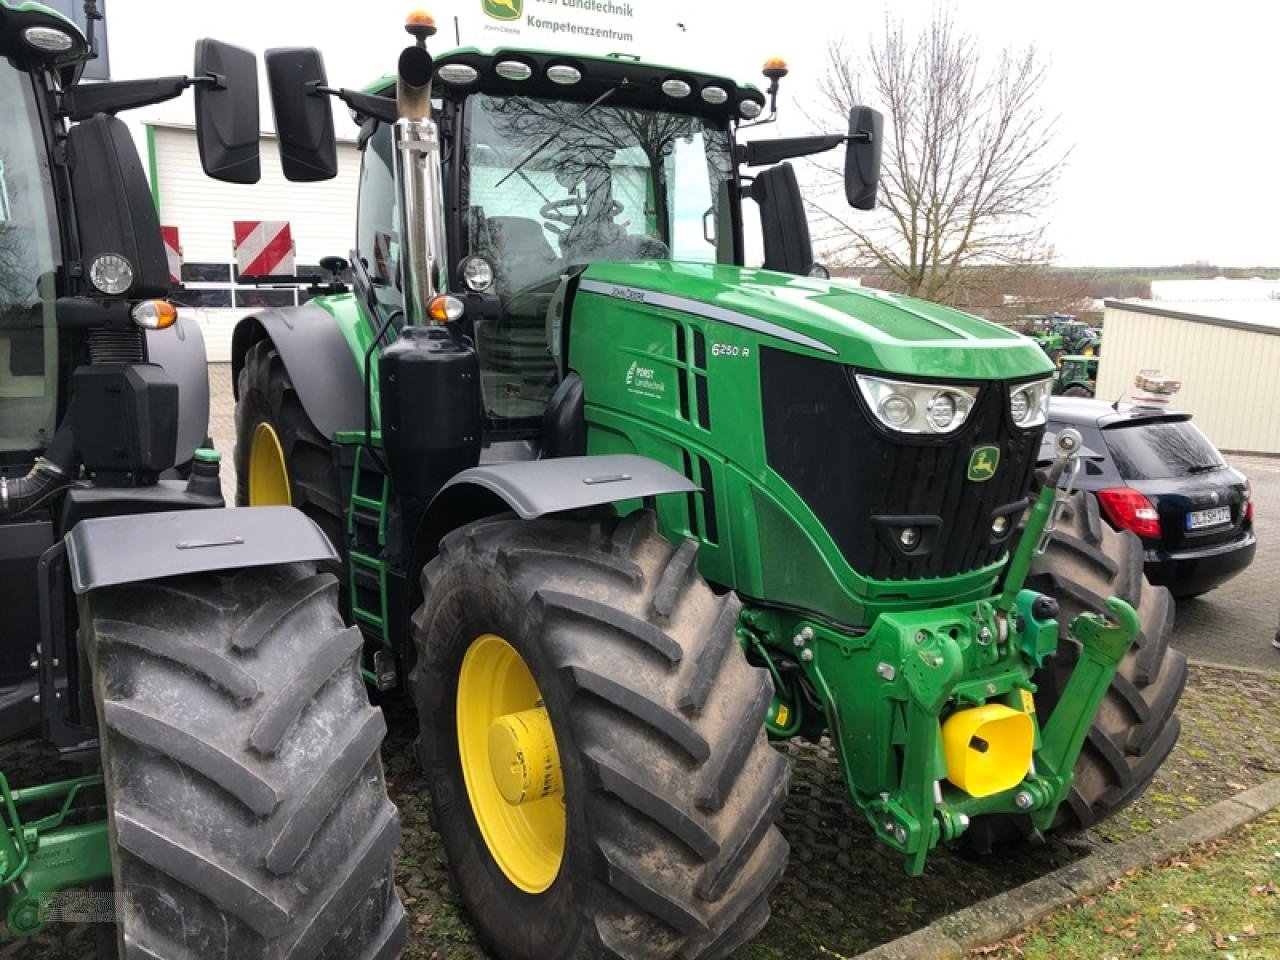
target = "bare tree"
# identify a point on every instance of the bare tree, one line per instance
(969, 161)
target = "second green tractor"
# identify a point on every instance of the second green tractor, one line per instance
(616, 510)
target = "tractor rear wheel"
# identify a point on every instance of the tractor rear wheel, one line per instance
(281, 457)
(1077, 390)
(248, 813)
(594, 742)
(1136, 725)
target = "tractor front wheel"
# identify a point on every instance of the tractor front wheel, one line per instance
(248, 813)
(594, 742)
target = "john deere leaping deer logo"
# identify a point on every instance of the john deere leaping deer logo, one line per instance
(503, 9)
(983, 463)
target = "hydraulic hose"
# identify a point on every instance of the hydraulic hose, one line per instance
(47, 476)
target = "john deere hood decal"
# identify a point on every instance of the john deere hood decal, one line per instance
(983, 463)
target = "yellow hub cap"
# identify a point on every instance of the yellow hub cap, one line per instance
(510, 763)
(268, 475)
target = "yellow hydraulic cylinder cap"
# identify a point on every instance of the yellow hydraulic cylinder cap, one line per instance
(988, 748)
(523, 757)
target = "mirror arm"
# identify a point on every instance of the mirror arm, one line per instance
(84, 102)
(382, 109)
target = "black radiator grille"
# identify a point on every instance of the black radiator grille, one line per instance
(115, 346)
(864, 484)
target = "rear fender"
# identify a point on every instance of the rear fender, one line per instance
(320, 364)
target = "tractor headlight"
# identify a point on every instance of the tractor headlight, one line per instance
(477, 274)
(111, 273)
(917, 407)
(1029, 403)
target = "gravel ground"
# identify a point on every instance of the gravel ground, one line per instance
(843, 893)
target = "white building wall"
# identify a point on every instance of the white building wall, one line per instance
(321, 215)
(1230, 381)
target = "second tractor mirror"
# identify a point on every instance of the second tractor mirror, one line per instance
(862, 157)
(227, 111)
(304, 119)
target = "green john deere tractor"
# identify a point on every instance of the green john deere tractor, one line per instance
(1077, 376)
(188, 661)
(616, 510)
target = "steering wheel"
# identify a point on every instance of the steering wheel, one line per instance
(556, 213)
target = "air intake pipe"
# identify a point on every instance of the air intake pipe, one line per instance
(47, 476)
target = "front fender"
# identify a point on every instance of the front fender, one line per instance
(533, 488)
(180, 351)
(109, 551)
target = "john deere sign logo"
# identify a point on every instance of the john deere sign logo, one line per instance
(983, 463)
(503, 9)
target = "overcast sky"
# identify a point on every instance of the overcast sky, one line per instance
(1170, 108)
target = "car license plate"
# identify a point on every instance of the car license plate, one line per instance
(1199, 519)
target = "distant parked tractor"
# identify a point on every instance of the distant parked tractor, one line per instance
(1076, 376)
(1062, 334)
(615, 508)
(190, 657)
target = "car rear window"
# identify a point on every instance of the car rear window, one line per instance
(1161, 449)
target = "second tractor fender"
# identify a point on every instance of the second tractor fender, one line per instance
(109, 551)
(180, 351)
(320, 364)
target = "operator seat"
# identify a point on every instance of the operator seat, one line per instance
(520, 252)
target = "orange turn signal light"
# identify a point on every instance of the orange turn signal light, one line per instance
(155, 314)
(444, 309)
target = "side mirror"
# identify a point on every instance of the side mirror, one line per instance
(304, 119)
(227, 111)
(115, 214)
(787, 245)
(862, 157)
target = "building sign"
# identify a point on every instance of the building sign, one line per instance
(645, 27)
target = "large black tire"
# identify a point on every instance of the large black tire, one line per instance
(670, 785)
(266, 395)
(1077, 390)
(248, 813)
(1136, 726)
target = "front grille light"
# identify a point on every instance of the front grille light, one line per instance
(928, 408)
(1029, 403)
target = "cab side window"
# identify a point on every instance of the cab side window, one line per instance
(378, 218)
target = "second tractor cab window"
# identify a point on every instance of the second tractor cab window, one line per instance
(548, 189)
(29, 257)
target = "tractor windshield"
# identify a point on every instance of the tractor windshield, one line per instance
(28, 260)
(613, 183)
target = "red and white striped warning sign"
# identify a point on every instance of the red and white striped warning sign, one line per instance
(264, 248)
(383, 256)
(173, 250)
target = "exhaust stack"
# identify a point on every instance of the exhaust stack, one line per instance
(422, 237)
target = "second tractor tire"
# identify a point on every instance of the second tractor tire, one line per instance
(670, 788)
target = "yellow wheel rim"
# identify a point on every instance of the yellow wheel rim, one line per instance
(510, 763)
(268, 475)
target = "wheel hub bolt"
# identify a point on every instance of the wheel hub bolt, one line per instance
(1023, 800)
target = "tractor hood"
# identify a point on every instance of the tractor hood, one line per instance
(862, 327)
